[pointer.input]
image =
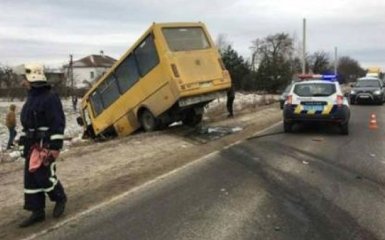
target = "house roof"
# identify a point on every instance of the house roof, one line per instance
(94, 61)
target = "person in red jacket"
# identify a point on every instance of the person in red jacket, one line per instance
(43, 123)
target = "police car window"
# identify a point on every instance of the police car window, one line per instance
(314, 90)
(368, 83)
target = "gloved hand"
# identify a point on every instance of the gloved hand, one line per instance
(22, 140)
(50, 156)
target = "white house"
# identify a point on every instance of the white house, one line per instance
(88, 69)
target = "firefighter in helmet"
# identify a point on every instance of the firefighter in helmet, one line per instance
(43, 123)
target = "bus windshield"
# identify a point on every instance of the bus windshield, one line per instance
(185, 38)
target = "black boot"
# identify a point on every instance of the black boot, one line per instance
(37, 216)
(59, 208)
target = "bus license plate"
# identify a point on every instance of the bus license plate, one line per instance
(206, 84)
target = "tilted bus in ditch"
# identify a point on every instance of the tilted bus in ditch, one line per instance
(168, 75)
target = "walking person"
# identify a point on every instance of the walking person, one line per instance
(43, 123)
(10, 122)
(230, 101)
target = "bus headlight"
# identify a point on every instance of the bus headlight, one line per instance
(377, 92)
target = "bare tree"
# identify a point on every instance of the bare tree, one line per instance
(320, 62)
(349, 69)
(222, 42)
(256, 54)
(274, 54)
(274, 46)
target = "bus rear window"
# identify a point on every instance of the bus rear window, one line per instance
(185, 39)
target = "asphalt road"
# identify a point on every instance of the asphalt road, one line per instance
(311, 184)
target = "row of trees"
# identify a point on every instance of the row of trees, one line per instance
(274, 62)
(10, 84)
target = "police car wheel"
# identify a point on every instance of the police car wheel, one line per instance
(287, 127)
(344, 129)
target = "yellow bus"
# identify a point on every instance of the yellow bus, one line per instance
(168, 75)
(374, 72)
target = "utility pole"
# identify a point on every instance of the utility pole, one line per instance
(71, 76)
(335, 60)
(304, 47)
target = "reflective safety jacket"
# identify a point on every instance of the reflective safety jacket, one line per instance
(43, 119)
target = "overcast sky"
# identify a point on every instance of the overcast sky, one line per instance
(47, 31)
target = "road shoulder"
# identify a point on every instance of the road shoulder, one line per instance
(96, 173)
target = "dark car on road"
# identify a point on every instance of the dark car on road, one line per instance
(367, 89)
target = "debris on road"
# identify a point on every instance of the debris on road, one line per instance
(317, 139)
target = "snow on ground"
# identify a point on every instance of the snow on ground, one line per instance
(244, 100)
(73, 131)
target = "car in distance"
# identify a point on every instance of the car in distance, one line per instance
(368, 89)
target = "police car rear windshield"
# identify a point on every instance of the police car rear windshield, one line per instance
(368, 83)
(314, 90)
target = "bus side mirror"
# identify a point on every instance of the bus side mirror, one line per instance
(80, 121)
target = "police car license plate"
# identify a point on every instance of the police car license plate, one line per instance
(364, 96)
(313, 107)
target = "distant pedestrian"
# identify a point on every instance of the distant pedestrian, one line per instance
(230, 101)
(74, 102)
(43, 122)
(10, 122)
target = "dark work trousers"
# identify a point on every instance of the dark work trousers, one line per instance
(12, 135)
(229, 104)
(37, 184)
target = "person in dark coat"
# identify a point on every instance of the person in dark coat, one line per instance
(43, 123)
(230, 101)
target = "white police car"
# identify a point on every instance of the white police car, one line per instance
(317, 99)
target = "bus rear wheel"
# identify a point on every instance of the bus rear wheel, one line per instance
(192, 119)
(148, 121)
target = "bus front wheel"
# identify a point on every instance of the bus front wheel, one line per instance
(148, 121)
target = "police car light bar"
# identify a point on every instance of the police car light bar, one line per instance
(329, 77)
(326, 77)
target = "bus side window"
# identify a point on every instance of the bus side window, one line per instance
(146, 55)
(127, 73)
(109, 91)
(96, 103)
